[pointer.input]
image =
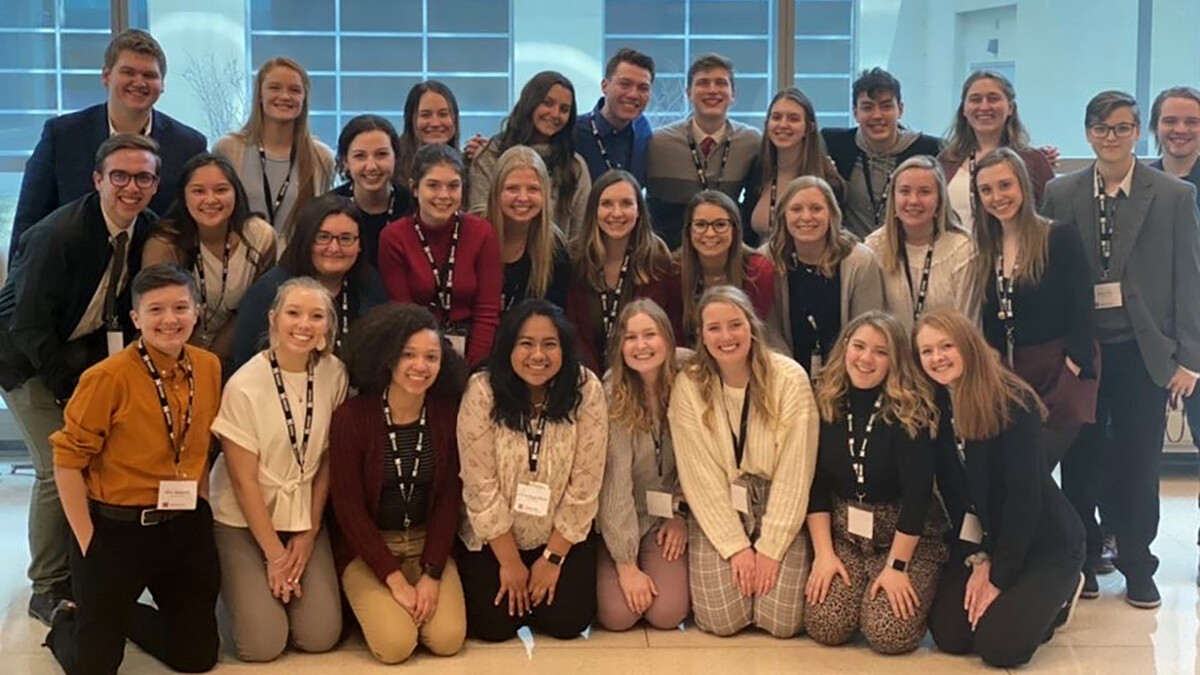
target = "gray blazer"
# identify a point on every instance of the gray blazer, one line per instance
(862, 291)
(1156, 257)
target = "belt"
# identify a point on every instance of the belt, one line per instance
(136, 514)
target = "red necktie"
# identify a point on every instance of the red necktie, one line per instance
(707, 144)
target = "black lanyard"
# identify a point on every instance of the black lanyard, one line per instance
(391, 209)
(443, 278)
(922, 292)
(816, 350)
(533, 440)
(657, 438)
(397, 457)
(176, 441)
(858, 457)
(1107, 226)
(273, 203)
(702, 164)
(739, 441)
(204, 315)
(971, 183)
(604, 150)
(876, 204)
(771, 210)
(299, 447)
(1004, 298)
(610, 301)
(343, 314)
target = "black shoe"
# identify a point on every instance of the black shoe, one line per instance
(42, 606)
(1108, 555)
(1141, 592)
(1091, 586)
(63, 611)
(1068, 610)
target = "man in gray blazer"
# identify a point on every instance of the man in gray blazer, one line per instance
(1141, 233)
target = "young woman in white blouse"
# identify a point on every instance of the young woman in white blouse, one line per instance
(744, 424)
(271, 483)
(642, 570)
(926, 256)
(532, 432)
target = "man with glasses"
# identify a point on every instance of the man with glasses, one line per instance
(64, 308)
(58, 171)
(616, 133)
(1142, 238)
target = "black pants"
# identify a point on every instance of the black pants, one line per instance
(574, 597)
(177, 561)
(1017, 622)
(1118, 458)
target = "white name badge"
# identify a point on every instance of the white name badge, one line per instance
(972, 529)
(660, 504)
(860, 522)
(533, 499)
(459, 343)
(740, 498)
(1108, 295)
(177, 495)
(116, 341)
(816, 364)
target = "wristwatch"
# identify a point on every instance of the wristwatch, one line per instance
(552, 557)
(900, 565)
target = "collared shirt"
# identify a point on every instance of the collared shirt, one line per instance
(93, 316)
(112, 131)
(626, 147)
(700, 135)
(115, 431)
(1123, 189)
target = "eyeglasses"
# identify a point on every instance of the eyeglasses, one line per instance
(121, 178)
(1122, 130)
(720, 225)
(344, 240)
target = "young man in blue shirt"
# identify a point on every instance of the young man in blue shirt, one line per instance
(616, 133)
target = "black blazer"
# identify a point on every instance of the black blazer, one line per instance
(58, 266)
(1024, 514)
(844, 151)
(60, 169)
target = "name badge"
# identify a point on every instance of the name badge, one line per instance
(660, 504)
(860, 522)
(815, 364)
(459, 343)
(740, 498)
(116, 341)
(177, 495)
(1108, 295)
(972, 529)
(533, 499)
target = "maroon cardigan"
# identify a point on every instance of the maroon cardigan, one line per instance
(356, 445)
(1040, 171)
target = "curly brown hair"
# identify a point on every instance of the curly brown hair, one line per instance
(372, 350)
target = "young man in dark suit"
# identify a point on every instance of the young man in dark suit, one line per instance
(63, 308)
(60, 169)
(1141, 235)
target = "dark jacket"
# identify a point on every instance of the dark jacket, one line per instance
(755, 187)
(55, 272)
(842, 148)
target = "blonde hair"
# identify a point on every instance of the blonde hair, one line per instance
(907, 396)
(1033, 231)
(305, 284)
(543, 238)
(838, 244)
(628, 405)
(944, 219)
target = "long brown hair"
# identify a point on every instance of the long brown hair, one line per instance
(649, 257)
(961, 140)
(813, 158)
(982, 396)
(736, 260)
(944, 219)
(543, 238)
(838, 244)
(628, 402)
(907, 394)
(1033, 231)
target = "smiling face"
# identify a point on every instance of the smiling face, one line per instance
(301, 322)
(537, 355)
(617, 211)
(134, 83)
(787, 124)
(282, 94)
(439, 194)
(879, 116)
(725, 333)
(435, 120)
(627, 92)
(124, 203)
(711, 231)
(986, 106)
(551, 115)
(521, 196)
(166, 317)
(1179, 127)
(867, 357)
(711, 92)
(417, 368)
(1110, 147)
(916, 193)
(209, 197)
(643, 345)
(1000, 191)
(939, 356)
(333, 259)
(807, 217)
(371, 161)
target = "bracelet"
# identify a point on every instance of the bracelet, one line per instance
(977, 558)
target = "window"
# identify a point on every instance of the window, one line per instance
(824, 57)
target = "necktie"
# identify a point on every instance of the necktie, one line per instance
(707, 144)
(115, 266)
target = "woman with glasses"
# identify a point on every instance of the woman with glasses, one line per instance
(444, 259)
(325, 246)
(713, 254)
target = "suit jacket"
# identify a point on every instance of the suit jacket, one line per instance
(60, 169)
(1156, 257)
(58, 266)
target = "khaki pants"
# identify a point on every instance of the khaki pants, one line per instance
(388, 628)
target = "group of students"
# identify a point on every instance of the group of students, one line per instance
(589, 451)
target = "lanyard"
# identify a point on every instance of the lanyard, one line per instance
(273, 203)
(610, 301)
(604, 150)
(204, 314)
(343, 314)
(771, 210)
(858, 458)
(443, 278)
(816, 350)
(971, 183)
(299, 448)
(923, 290)
(391, 209)
(1107, 227)
(176, 441)
(398, 459)
(739, 441)
(1004, 297)
(702, 165)
(876, 204)
(658, 444)
(533, 439)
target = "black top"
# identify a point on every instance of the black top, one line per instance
(393, 505)
(813, 294)
(754, 189)
(1024, 514)
(516, 280)
(1058, 306)
(372, 226)
(898, 468)
(843, 148)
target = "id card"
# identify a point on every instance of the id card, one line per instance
(459, 343)
(533, 499)
(740, 498)
(660, 504)
(177, 495)
(1108, 295)
(860, 522)
(815, 364)
(116, 341)
(972, 529)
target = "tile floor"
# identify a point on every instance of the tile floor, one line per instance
(1107, 636)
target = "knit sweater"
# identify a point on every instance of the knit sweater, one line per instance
(951, 281)
(781, 450)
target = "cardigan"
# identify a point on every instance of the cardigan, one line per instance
(478, 275)
(951, 276)
(782, 450)
(357, 441)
